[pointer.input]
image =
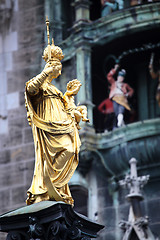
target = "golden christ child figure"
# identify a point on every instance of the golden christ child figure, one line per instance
(55, 130)
(77, 112)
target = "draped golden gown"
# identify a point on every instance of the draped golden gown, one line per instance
(56, 141)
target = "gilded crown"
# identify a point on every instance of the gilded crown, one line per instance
(51, 52)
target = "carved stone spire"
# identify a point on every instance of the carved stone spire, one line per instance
(137, 224)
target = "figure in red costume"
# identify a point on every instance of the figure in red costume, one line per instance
(119, 92)
(106, 107)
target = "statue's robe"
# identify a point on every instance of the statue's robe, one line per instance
(56, 142)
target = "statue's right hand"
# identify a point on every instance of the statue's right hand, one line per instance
(48, 69)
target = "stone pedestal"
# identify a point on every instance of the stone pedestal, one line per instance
(47, 220)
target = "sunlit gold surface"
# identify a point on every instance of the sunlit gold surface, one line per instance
(54, 119)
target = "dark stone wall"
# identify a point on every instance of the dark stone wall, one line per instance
(26, 21)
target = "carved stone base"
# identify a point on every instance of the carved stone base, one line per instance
(48, 220)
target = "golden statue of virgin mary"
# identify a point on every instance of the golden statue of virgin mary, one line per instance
(55, 131)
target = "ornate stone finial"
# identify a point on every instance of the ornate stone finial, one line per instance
(134, 183)
(136, 224)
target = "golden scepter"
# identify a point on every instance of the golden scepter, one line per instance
(49, 46)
